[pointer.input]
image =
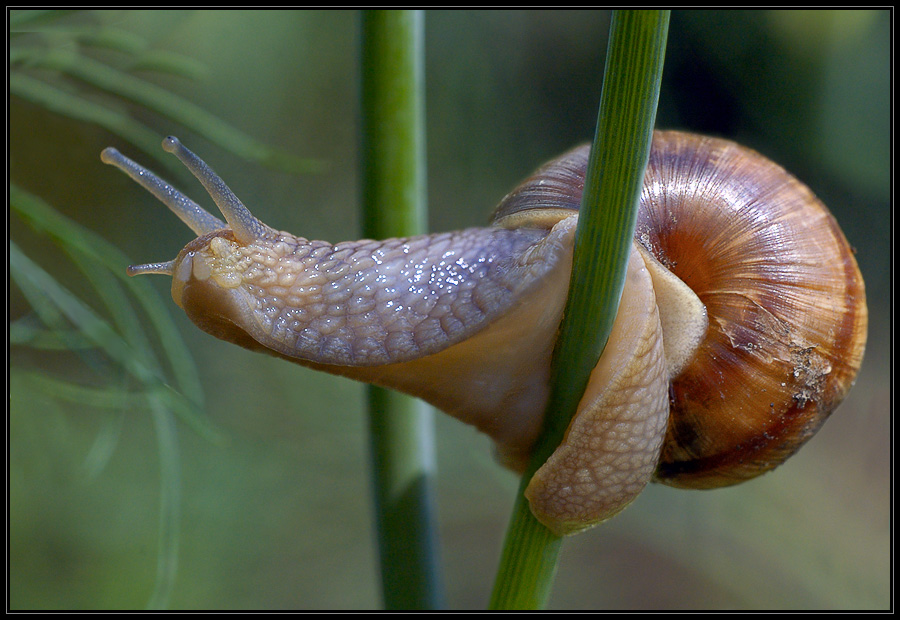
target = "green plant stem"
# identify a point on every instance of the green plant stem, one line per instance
(401, 427)
(603, 239)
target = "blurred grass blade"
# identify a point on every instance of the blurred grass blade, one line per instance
(54, 33)
(169, 504)
(30, 332)
(50, 299)
(36, 387)
(19, 19)
(178, 109)
(115, 39)
(103, 448)
(107, 397)
(163, 61)
(43, 218)
(46, 295)
(80, 109)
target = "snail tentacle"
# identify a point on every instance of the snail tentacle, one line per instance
(246, 227)
(196, 217)
(166, 268)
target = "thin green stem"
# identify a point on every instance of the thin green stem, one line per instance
(612, 188)
(401, 427)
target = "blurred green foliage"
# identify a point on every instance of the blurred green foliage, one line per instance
(279, 516)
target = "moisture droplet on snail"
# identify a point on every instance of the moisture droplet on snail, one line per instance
(741, 326)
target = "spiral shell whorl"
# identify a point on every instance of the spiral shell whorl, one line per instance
(787, 326)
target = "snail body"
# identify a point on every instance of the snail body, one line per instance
(741, 327)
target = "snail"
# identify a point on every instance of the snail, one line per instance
(741, 326)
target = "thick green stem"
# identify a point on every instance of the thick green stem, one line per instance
(393, 180)
(612, 188)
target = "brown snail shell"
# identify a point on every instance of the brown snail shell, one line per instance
(784, 295)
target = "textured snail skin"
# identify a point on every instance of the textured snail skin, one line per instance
(741, 327)
(612, 445)
(508, 287)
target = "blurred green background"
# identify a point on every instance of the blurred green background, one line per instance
(278, 516)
